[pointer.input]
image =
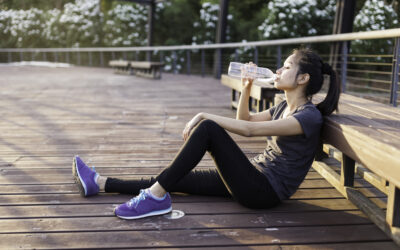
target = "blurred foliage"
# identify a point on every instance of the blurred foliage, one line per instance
(86, 23)
(375, 15)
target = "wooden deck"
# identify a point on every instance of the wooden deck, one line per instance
(131, 127)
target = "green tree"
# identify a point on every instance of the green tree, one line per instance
(22, 28)
(125, 25)
(286, 19)
(247, 16)
(375, 15)
(174, 22)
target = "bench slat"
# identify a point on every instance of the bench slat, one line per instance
(257, 91)
(145, 65)
(119, 63)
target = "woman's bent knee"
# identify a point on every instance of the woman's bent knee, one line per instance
(209, 124)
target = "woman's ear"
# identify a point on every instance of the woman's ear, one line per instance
(303, 78)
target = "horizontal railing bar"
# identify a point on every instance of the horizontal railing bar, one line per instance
(361, 55)
(369, 71)
(367, 87)
(368, 79)
(377, 34)
(362, 63)
(371, 97)
(370, 63)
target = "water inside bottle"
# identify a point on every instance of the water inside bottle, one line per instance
(240, 70)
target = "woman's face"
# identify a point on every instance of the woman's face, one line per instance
(286, 76)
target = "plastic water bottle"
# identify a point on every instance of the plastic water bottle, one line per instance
(240, 70)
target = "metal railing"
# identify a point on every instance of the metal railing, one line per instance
(373, 76)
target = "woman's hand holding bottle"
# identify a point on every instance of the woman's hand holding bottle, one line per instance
(246, 76)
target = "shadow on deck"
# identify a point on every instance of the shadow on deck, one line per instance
(130, 127)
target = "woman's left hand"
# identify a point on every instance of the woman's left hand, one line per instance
(190, 125)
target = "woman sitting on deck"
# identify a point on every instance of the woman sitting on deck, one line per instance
(293, 130)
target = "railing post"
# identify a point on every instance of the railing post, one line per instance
(344, 66)
(67, 57)
(217, 63)
(256, 55)
(112, 55)
(148, 56)
(90, 58)
(9, 57)
(161, 60)
(101, 59)
(278, 57)
(21, 57)
(137, 56)
(44, 56)
(188, 62)
(124, 55)
(202, 63)
(78, 58)
(236, 55)
(395, 73)
(174, 62)
(32, 56)
(55, 56)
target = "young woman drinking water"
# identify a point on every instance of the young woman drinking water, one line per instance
(292, 129)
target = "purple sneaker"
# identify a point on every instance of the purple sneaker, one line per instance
(144, 205)
(84, 177)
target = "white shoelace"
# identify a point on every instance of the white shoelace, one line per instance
(136, 200)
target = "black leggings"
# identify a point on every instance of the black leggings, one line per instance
(234, 175)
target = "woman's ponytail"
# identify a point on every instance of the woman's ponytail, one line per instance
(310, 63)
(330, 103)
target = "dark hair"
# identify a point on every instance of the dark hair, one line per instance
(309, 62)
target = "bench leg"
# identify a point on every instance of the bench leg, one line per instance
(348, 167)
(250, 103)
(233, 95)
(233, 98)
(260, 105)
(393, 206)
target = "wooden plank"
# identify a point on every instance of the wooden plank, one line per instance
(74, 198)
(188, 205)
(366, 174)
(59, 179)
(119, 63)
(374, 212)
(145, 65)
(341, 246)
(377, 156)
(393, 206)
(193, 237)
(207, 220)
(130, 127)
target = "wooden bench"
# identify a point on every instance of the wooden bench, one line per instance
(262, 94)
(120, 66)
(364, 139)
(144, 69)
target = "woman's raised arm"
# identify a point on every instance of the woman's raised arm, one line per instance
(281, 127)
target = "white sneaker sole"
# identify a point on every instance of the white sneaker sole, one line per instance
(78, 179)
(159, 212)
